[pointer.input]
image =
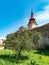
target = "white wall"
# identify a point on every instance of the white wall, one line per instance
(31, 26)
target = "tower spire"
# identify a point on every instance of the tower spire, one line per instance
(32, 22)
(31, 14)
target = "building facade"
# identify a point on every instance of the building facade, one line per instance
(44, 30)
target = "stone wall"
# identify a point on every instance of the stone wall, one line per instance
(43, 42)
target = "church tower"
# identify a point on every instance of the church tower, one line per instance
(32, 22)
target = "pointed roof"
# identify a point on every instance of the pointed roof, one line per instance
(32, 15)
(32, 19)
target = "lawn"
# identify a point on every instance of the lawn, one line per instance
(33, 57)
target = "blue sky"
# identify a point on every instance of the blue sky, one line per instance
(16, 13)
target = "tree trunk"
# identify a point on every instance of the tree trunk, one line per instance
(19, 54)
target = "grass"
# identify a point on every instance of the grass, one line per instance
(33, 57)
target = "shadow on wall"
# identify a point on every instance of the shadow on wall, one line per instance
(44, 42)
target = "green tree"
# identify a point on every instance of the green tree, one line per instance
(18, 42)
(23, 43)
(25, 40)
(22, 29)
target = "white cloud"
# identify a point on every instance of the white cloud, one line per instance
(42, 17)
(46, 8)
(2, 38)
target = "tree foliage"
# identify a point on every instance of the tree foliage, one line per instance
(21, 40)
